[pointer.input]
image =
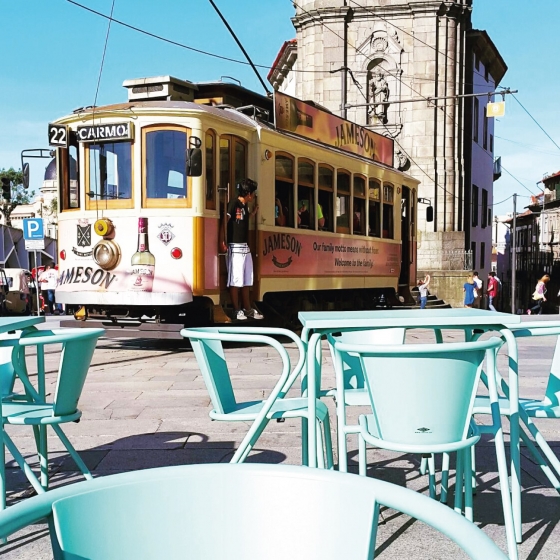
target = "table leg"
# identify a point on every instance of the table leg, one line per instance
(515, 449)
(312, 369)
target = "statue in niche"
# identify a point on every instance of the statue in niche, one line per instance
(379, 96)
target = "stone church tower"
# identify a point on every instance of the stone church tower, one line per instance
(380, 63)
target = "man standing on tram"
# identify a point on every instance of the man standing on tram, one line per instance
(239, 260)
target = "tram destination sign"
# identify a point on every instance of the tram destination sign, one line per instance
(99, 132)
(306, 120)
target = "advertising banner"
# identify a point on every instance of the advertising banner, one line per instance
(311, 122)
(287, 254)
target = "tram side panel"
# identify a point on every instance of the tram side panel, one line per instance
(145, 263)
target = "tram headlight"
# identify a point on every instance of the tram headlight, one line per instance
(107, 254)
(103, 227)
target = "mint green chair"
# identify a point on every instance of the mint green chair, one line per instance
(548, 407)
(422, 398)
(209, 352)
(238, 512)
(37, 411)
(355, 391)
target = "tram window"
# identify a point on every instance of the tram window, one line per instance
(68, 170)
(110, 172)
(210, 170)
(326, 184)
(240, 162)
(224, 162)
(165, 164)
(306, 195)
(388, 229)
(284, 191)
(359, 219)
(374, 207)
(342, 202)
(233, 162)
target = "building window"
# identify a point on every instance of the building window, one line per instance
(475, 119)
(474, 206)
(485, 132)
(491, 147)
(484, 215)
(473, 253)
(482, 254)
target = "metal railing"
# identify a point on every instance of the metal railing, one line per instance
(445, 260)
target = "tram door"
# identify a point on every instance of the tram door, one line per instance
(408, 246)
(233, 168)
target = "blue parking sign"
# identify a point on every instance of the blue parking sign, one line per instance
(33, 229)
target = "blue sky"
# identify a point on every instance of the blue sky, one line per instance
(51, 56)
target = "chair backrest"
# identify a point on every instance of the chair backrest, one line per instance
(552, 393)
(7, 371)
(353, 374)
(238, 512)
(421, 394)
(213, 367)
(78, 346)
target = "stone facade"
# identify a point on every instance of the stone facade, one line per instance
(400, 55)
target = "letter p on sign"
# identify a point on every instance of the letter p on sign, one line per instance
(33, 229)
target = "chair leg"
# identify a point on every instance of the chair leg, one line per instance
(432, 476)
(248, 443)
(2, 474)
(444, 478)
(304, 443)
(467, 463)
(473, 468)
(375, 524)
(30, 475)
(320, 450)
(43, 457)
(533, 449)
(505, 492)
(424, 465)
(459, 483)
(541, 442)
(362, 456)
(73, 453)
(328, 442)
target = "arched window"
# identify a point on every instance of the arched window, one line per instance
(210, 166)
(388, 211)
(284, 190)
(342, 201)
(165, 179)
(306, 194)
(326, 190)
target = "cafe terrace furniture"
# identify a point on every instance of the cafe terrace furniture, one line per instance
(209, 353)
(40, 411)
(233, 511)
(319, 323)
(548, 407)
(421, 398)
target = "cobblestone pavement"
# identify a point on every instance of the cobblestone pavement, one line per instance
(145, 405)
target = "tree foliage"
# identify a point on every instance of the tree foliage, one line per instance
(19, 194)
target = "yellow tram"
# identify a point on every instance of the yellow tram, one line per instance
(143, 186)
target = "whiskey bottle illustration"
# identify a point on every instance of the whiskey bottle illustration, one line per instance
(291, 116)
(142, 262)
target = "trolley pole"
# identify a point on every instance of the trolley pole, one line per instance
(514, 255)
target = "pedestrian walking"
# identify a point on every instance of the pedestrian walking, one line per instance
(492, 290)
(423, 289)
(477, 291)
(469, 289)
(538, 297)
(48, 280)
